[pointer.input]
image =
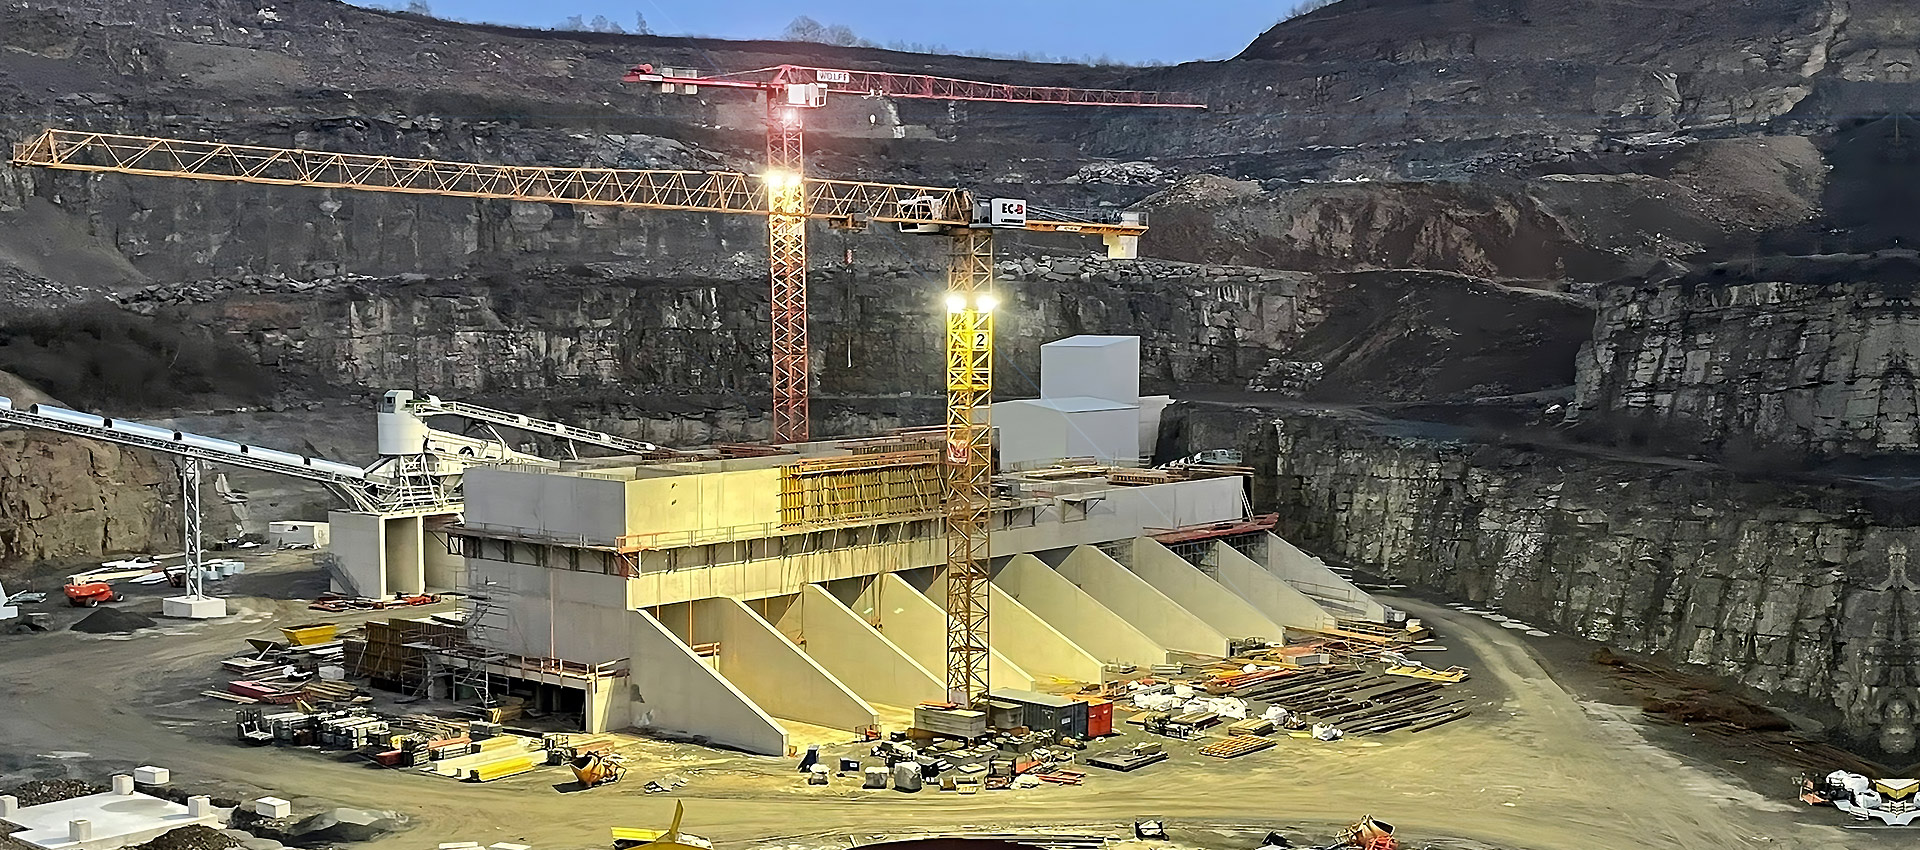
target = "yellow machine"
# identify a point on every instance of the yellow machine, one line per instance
(595, 768)
(625, 838)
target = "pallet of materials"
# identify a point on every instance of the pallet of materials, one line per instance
(1252, 726)
(1235, 747)
(1126, 762)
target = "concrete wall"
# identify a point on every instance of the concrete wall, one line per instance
(1199, 593)
(775, 574)
(1090, 365)
(442, 568)
(706, 501)
(918, 626)
(1037, 647)
(857, 654)
(1265, 591)
(1035, 432)
(359, 544)
(566, 507)
(1310, 576)
(579, 616)
(774, 673)
(1080, 617)
(674, 692)
(1139, 603)
(406, 566)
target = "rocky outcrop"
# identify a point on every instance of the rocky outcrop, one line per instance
(1800, 591)
(1789, 360)
(610, 330)
(64, 498)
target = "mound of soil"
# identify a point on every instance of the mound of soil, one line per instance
(106, 621)
(41, 791)
(194, 837)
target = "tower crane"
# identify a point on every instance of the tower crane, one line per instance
(968, 222)
(791, 90)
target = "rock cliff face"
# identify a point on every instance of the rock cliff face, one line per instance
(609, 331)
(64, 498)
(1801, 591)
(1795, 359)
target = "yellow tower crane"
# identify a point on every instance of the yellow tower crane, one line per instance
(969, 224)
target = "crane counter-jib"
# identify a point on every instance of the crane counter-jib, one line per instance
(688, 191)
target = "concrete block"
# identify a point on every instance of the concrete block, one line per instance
(272, 807)
(123, 784)
(79, 829)
(8, 805)
(199, 807)
(194, 607)
(150, 775)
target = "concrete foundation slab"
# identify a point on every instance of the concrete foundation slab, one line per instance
(194, 607)
(112, 820)
(1149, 610)
(1080, 617)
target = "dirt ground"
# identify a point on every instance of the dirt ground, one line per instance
(1534, 768)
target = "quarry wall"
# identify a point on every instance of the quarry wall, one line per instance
(1799, 591)
(1793, 359)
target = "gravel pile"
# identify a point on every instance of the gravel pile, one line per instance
(41, 791)
(106, 621)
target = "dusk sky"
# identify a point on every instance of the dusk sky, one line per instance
(1127, 30)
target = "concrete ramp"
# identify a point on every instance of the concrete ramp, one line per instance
(1080, 617)
(919, 627)
(1310, 576)
(679, 694)
(1198, 592)
(1265, 591)
(774, 673)
(1037, 647)
(1131, 597)
(858, 654)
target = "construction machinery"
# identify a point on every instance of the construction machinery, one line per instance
(1367, 834)
(628, 838)
(790, 91)
(968, 222)
(90, 594)
(593, 768)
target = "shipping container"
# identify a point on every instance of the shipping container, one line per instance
(1099, 716)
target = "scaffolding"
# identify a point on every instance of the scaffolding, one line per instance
(865, 486)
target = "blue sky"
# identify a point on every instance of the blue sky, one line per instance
(1126, 30)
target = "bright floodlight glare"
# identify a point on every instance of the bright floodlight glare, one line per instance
(956, 302)
(781, 178)
(986, 302)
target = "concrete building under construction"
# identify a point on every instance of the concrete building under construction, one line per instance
(732, 599)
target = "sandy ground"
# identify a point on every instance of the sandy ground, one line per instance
(1535, 768)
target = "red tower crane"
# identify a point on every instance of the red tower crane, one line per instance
(789, 91)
